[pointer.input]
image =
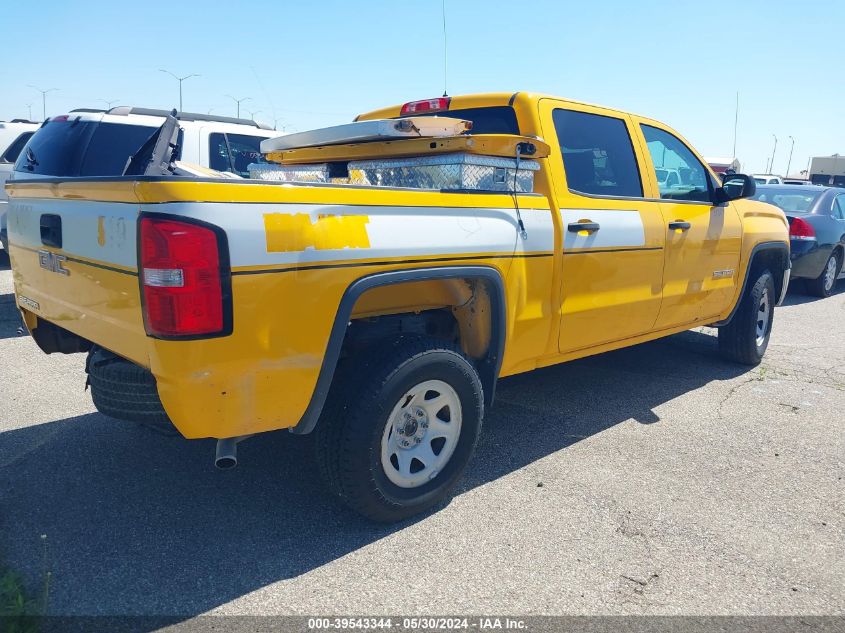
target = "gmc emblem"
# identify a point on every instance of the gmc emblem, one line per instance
(52, 262)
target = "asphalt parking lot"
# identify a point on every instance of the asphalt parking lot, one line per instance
(652, 480)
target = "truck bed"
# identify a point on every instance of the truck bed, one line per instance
(284, 241)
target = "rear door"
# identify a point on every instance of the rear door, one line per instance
(613, 237)
(703, 240)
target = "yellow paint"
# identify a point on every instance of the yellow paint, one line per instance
(559, 306)
(287, 232)
(97, 304)
(101, 230)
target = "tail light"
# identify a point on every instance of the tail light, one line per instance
(801, 230)
(184, 279)
(426, 105)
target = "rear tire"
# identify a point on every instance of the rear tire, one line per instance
(399, 430)
(745, 339)
(823, 285)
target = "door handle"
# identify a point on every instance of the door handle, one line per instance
(679, 225)
(577, 227)
(51, 230)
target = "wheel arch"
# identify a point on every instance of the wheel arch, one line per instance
(772, 255)
(488, 366)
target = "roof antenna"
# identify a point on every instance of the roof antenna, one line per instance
(445, 50)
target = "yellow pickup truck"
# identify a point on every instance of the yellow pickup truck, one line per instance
(380, 316)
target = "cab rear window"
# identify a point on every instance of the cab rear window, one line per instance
(492, 120)
(72, 147)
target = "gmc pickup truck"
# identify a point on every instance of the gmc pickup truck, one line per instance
(381, 315)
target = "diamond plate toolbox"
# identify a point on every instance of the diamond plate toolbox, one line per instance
(290, 173)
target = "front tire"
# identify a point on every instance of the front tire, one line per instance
(745, 339)
(399, 430)
(823, 285)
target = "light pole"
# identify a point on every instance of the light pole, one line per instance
(180, 80)
(43, 100)
(736, 121)
(239, 101)
(252, 114)
(789, 162)
(108, 103)
(29, 106)
(772, 162)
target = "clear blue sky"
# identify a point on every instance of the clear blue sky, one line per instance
(317, 63)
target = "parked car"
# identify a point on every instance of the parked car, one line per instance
(767, 179)
(381, 315)
(816, 218)
(13, 136)
(88, 142)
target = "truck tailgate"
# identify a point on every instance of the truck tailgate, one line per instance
(75, 263)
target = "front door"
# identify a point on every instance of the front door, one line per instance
(612, 263)
(703, 240)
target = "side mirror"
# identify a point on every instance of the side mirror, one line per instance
(735, 186)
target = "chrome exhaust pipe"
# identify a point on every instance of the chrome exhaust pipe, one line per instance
(226, 455)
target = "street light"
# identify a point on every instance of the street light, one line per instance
(43, 99)
(772, 162)
(29, 106)
(789, 162)
(239, 101)
(180, 80)
(108, 103)
(252, 114)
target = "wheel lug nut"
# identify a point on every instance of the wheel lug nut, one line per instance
(424, 425)
(418, 440)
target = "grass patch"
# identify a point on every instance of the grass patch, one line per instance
(18, 611)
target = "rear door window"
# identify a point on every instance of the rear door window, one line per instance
(111, 146)
(839, 207)
(598, 155)
(234, 152)
(69, 148)
(13, 151)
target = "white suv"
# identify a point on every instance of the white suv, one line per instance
(88, 142)
(13, 136)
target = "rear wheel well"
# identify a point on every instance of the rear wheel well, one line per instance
(465, 317)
